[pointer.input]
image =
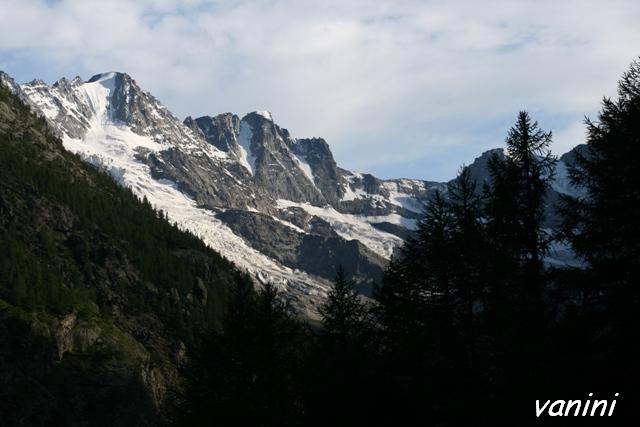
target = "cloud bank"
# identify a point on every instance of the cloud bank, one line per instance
(398, 88)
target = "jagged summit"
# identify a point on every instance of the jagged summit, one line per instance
(107, 76)
(220, 131)
(37, 82)
(266, 114)
(259, 118)
(66, 83)
(7, 81)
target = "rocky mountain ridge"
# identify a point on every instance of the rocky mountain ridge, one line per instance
(278, 206)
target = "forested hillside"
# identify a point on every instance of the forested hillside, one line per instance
(100, 297)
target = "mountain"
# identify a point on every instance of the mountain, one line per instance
(277, 206)
(99, 295)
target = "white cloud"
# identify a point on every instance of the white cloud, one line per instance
(385, 83)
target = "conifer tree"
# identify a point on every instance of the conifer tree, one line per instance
(245, 374)
(515, 317)
(515, 208)
(601, 223)
(340, 376)
(417, 306)
(275, 360)
(469, 249)
(343, 314)
(418, 282)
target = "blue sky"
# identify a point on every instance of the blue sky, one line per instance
(398, 88)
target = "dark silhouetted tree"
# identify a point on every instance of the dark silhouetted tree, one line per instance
(515, 320)
(246, 374)
(601, 223)
(515, 205)
(418, 307)
(469, 255)
(343, 314)
(340, 385)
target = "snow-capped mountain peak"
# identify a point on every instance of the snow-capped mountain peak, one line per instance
(108, 76)
(266, 114)
(278, 206)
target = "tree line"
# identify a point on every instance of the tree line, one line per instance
(470, 322)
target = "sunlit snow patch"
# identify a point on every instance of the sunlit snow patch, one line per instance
(358, 227)
(247, 159)
(266, 114)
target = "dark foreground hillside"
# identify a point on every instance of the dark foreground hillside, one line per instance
(99, 295)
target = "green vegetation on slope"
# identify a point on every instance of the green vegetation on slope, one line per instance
(99, 294)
